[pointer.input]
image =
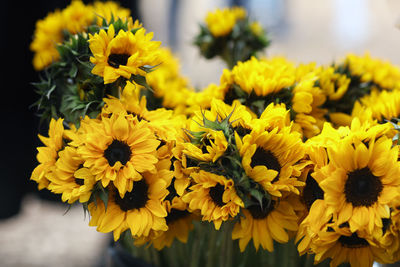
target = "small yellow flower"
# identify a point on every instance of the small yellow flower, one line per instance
(123, 54)
(221, 21)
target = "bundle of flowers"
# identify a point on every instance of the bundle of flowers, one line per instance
(280, 163)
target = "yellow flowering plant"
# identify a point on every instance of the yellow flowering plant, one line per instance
(280, 164)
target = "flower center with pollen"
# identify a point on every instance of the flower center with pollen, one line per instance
(353, 241)
(216, 193)
(266, 158)
(114, 60)
(135, 199)
(362, 188)
(118, 151)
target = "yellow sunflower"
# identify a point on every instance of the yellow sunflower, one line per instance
(77, 16)
(360, 181)
(265, 224)
(221, 21)
(123, 54)
(272, 159)
(381, 73)
(48, 33)
(119, 150)
(346, 247)
(108, 10)
(215, 196)
(384, 105)
(70, 178)
(48, 154)
(140, 210)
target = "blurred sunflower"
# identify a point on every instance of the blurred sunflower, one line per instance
(346, 247)
(119, 150)
(221, 21)
(215, 196)
(48, 33)
(123, 54)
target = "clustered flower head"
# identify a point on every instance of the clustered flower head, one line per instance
(276, 152)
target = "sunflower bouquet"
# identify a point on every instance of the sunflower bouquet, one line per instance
(279, 164)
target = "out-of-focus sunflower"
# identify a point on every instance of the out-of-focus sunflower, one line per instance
(77, 16)
(215, 196)
(221, 21)
(344, 246)
(48, 33)
(48, 155)
(107, 10)
(70, 178)
(119, 150)
(140, 210)
(123, 54)
(264, 224)
(374, 70)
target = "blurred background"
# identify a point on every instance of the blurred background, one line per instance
(35, 229)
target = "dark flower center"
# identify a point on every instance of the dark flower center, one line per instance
(114, 60)
(175, 215)
(118, 151)
(362, 188)
(353, 241)
(266, 158)
(312, 192)
(216, 193)
(259, 212)
(135, 199)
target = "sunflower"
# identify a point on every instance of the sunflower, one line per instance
(48, 33)
(344, 246)
(221, 21)
(377, 71)
(215, 196)
(140, 210)
(77, 16)
(383, 105)
(48, 155)
(119, 150)
(123, 54)
(360, 181)
(108, 10)
(179, 221)
(70, 178)
(272, 159)
(264, 224)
